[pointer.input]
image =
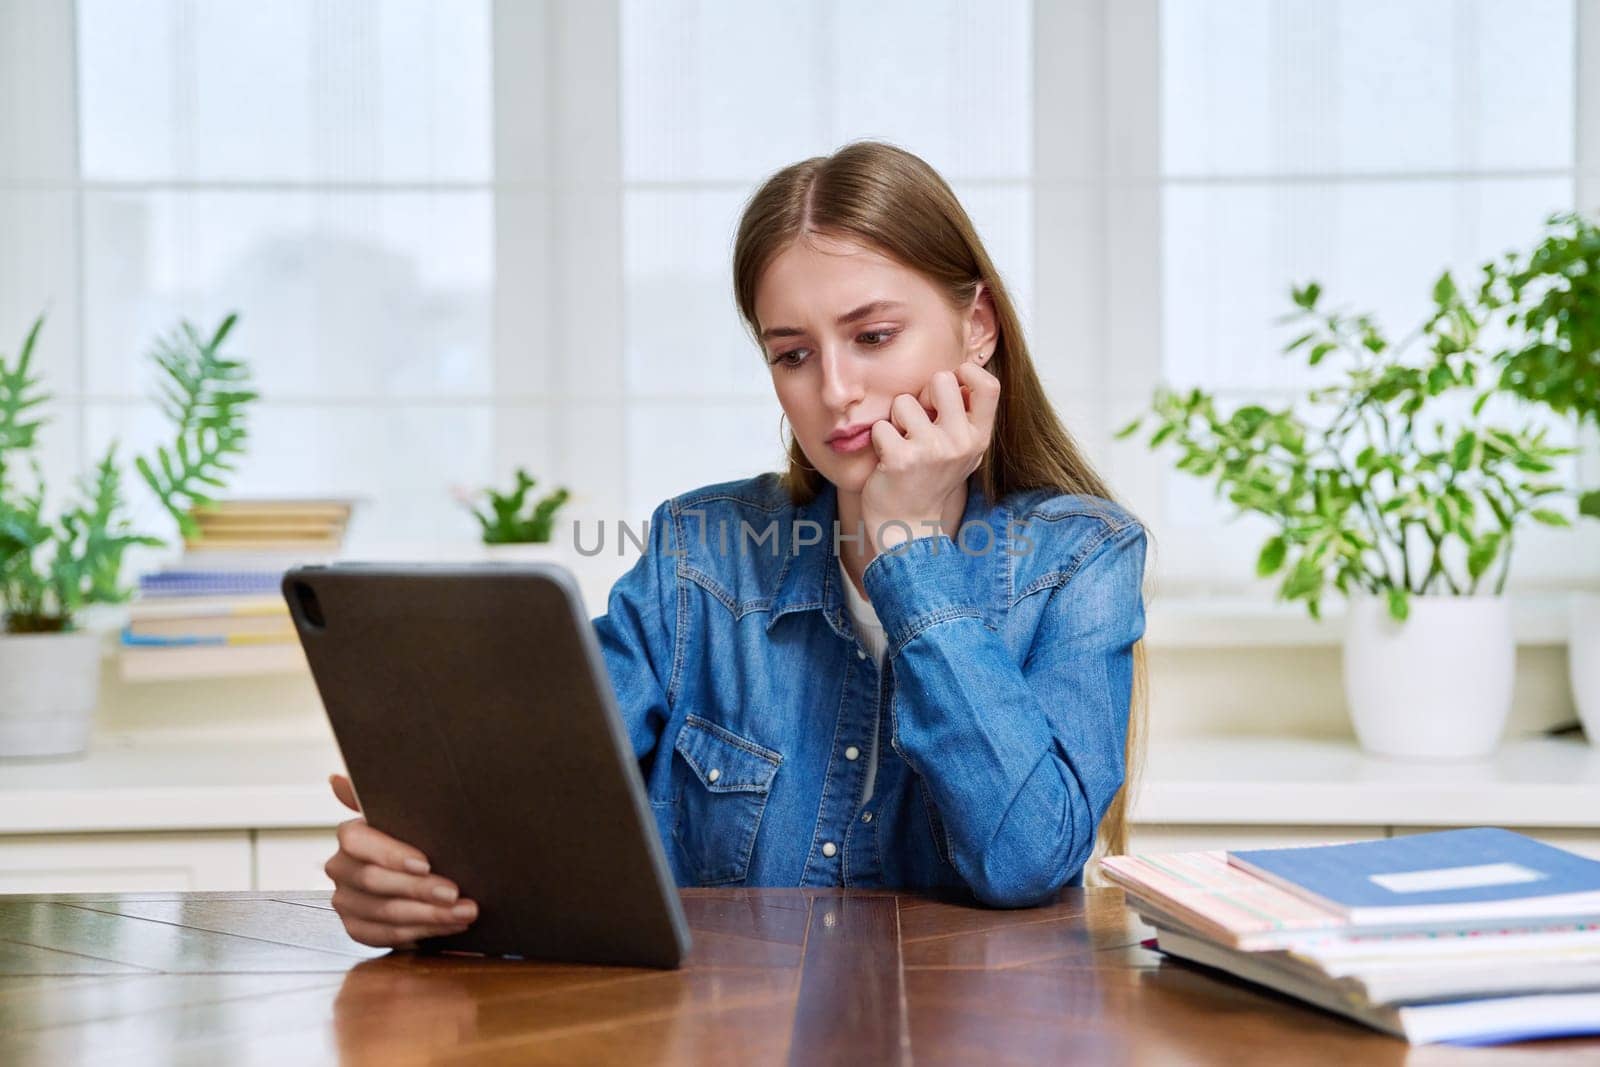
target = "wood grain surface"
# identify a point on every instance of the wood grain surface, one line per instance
(776, 976)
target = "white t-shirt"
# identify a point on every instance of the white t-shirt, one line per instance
(877, 642)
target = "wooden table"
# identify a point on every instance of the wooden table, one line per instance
(801, 976)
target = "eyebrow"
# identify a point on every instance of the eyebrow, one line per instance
(848, 317)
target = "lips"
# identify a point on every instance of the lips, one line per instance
(852, 443)
(849, 432)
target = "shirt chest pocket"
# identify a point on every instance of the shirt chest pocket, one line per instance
(723, 781)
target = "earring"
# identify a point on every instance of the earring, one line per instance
(799, 463)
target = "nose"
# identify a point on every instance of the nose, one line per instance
(841, 379)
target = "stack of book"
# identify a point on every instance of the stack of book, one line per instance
(1468, 937)
(283, 529)
(219, 610)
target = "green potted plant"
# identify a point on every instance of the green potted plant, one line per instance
(1549, 302)
(52, 569)
(517, 525)
(1391, 487)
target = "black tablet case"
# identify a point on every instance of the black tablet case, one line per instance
(476, 718)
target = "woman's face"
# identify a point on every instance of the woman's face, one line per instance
(845, 329)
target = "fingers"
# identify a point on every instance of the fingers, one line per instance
(387, 908)
(888, 443)
(345, 791)
(375, 846)
(946, 390)
(379, 935)
(908, 415)
(353, 904)
(964, 400)
(931, 407)
(985, 398)
(346, 870)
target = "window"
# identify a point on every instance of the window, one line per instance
(1366, 144)
(717, 96)
(332, 182)
(466, 235)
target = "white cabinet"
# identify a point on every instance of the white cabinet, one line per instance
(283, 860)
(124, 863)
(293, 859)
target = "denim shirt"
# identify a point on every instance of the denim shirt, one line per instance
(751, 702)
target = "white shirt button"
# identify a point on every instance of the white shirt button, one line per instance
(829, 848)
(713, 774)
(852, 753)
(861, 653)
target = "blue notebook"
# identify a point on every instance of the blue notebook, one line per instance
(1452, 875)
(165, 584)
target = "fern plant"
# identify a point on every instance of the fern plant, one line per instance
(51, 570)
(505, 524)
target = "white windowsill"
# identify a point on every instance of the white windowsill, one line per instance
(1210, 622)
(1282, 781)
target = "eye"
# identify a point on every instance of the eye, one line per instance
(782, 359)
(883, 337)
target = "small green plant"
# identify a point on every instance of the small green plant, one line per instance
(505, 522)
(1390, 480)
(50, 570)
(1550, 300)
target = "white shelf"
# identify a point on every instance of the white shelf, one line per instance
(1208, 622)
(1264, 781)
(129, 784)
(1171, 623)
(154, 664)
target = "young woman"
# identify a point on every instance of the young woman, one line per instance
(913, 657)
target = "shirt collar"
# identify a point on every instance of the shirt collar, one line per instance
(810, 578)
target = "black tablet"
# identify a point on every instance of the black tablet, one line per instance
(476, 717)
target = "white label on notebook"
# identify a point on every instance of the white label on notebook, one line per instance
(1456, 878)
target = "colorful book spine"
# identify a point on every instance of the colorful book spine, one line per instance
(132, 639)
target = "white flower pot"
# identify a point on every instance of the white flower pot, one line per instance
(1437, 686)
(1583, 660)
(49, 687)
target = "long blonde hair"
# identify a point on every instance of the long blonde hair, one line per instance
(892, 200)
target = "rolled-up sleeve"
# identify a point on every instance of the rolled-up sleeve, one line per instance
(639, 636)
(1022, 761)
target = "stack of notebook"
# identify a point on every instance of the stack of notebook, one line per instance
(219, 610)
(1471, 937)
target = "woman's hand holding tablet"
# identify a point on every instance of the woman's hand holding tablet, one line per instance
(383, 891)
